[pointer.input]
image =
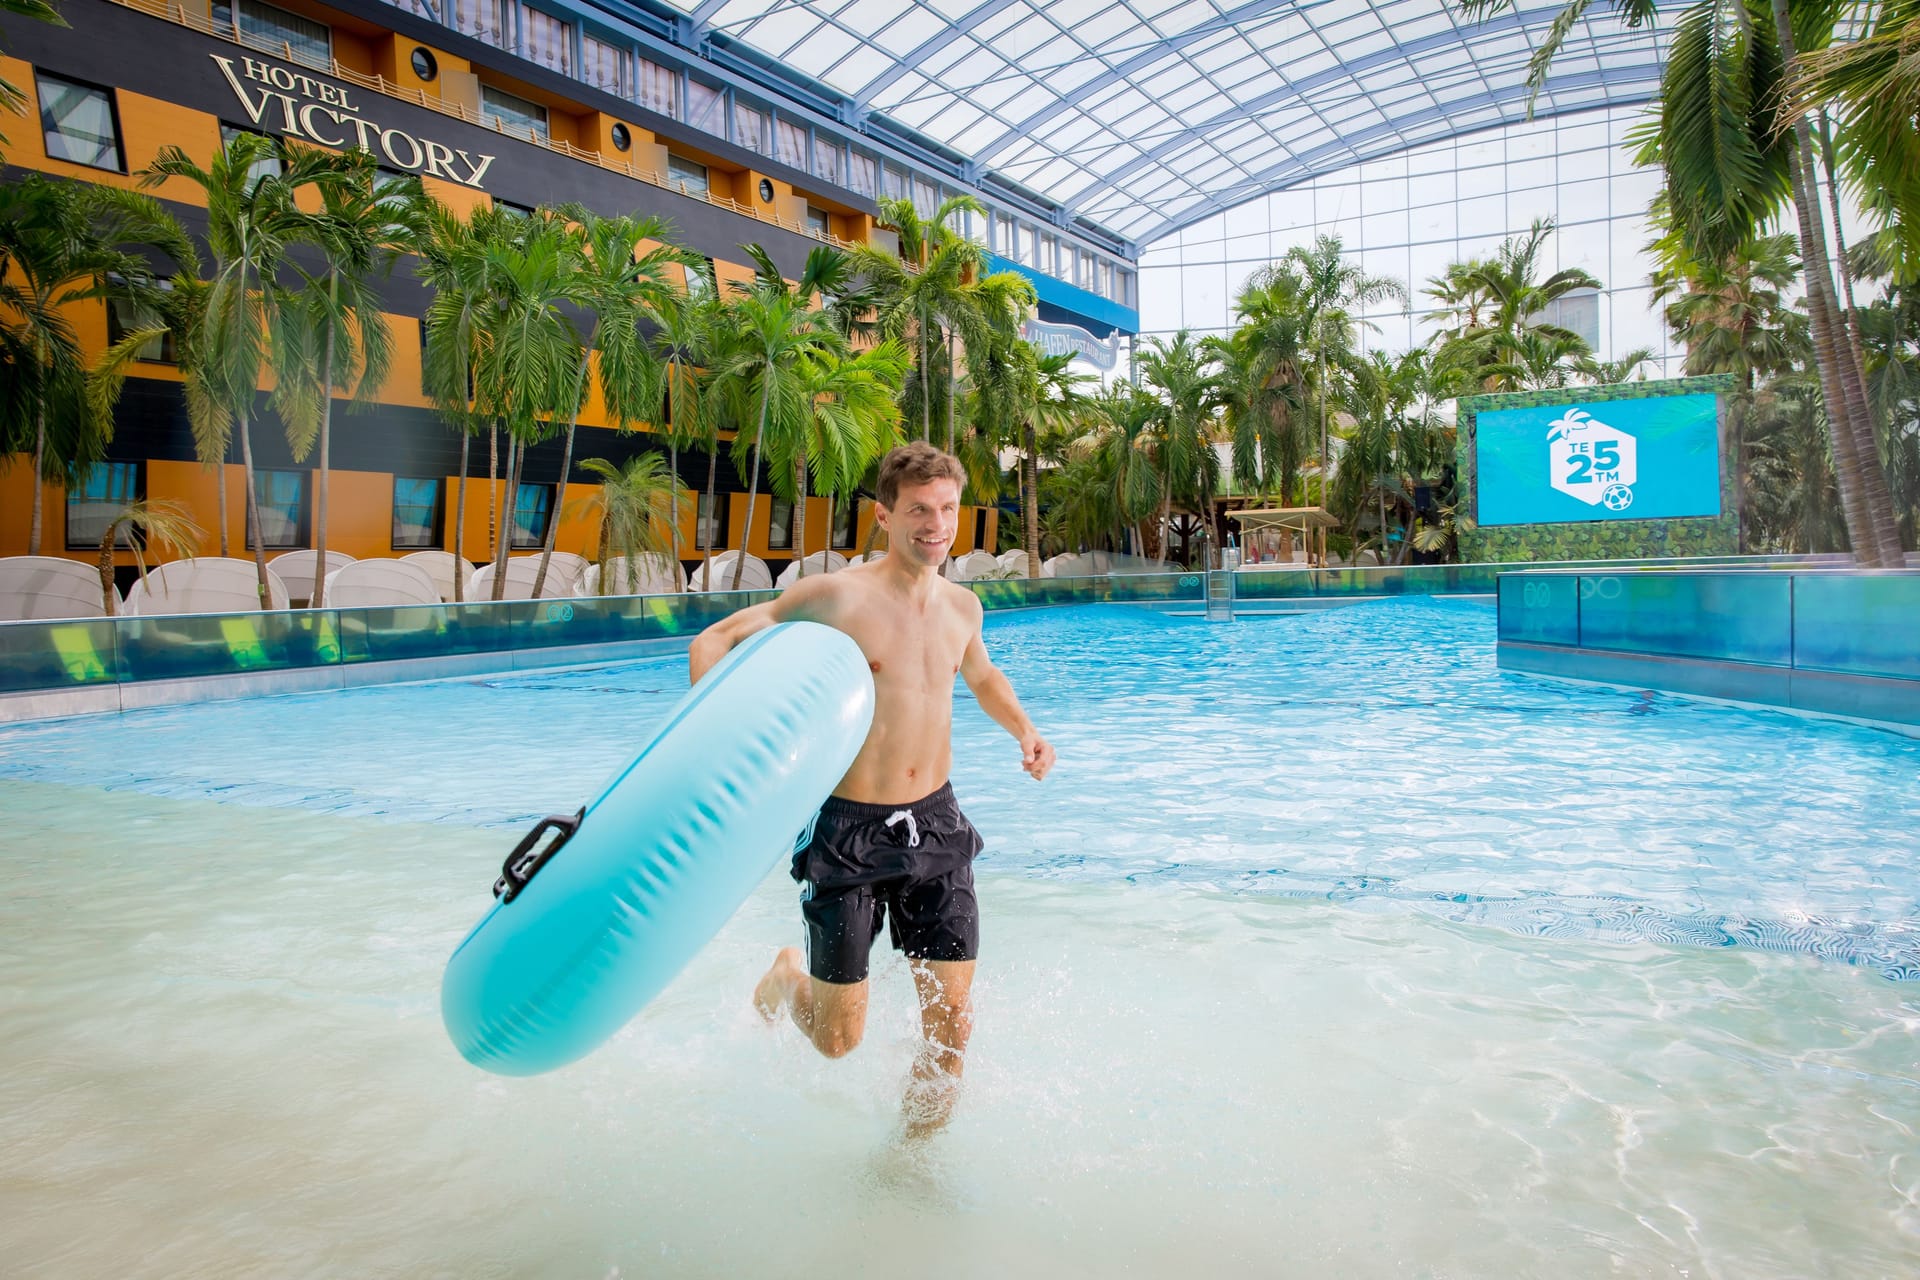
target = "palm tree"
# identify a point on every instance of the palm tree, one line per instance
(1731, 312)
(633, 504)
(1332, 290)
(768, 337)
(849, 418)
(155, 522)
(621, 283)
(1262, 382)
(924, 294)
(452, 253)
(529, 351)
(1181, 371)
(1497, 305)
(252, 219)
(682, 341)
(331, 335)
(61, 243)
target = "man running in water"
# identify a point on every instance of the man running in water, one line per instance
(891, 845)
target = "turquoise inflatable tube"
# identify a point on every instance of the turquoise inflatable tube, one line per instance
(592, 924)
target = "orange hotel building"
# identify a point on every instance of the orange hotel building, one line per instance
(486, 100)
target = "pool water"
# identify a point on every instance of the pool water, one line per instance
(1328, 950)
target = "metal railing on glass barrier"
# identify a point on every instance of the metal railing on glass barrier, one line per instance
(1864, 623)
(86, 652)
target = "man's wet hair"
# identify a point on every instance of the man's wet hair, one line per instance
(916, 463)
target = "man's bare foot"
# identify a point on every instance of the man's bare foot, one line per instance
(775, 990)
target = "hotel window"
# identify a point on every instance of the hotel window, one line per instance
(479, 19)
(701, 281)
(514, 115)
(705, 528)
(283, 508)
(79, 123)
(546, 40)
(790, 144)
(516, 210)
(274, 30)
(893, 183)
(531, 511)
(603, 65)
(826, 161)
(780, 526)
(689, 177)
(817, 221)
(1049, 254)
(926, 197)
(100, 496)
(125, 316)
(418, 506)
(706, 108)
(656, 88)
(843, 521)
(863, 174)
(979, 531)
(267, 166)
(750, 128)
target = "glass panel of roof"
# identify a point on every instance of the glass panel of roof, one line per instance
(912, 30)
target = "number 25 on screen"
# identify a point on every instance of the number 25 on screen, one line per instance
(1605, 456)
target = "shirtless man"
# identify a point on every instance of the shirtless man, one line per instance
(891, 845)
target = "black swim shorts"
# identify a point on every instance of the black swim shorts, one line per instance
(909, 865)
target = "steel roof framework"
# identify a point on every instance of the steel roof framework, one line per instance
(1143, 116)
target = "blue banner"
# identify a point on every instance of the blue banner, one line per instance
(1635, 459)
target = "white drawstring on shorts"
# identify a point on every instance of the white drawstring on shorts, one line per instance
(913, 828)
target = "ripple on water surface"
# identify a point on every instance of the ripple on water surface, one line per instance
(1372, 755)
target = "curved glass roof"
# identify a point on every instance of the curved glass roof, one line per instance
(1145, 115)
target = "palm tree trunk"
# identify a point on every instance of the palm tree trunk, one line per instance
(566, 465)
(1030, 498)
(713, 511)
(39, 460)
(515, 457)
(673, 530)
(460, 522)
(318, 600)
(253, 509)
(800, 515)
(948, 337)
(1852, 312)
(926, 390)
(493, 485)
(1860, 478)
(108, 596)
(220, 493)
(753, 482)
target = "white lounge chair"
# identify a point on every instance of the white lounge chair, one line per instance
(296, 569)
(976, 565)
(655, 574)
(818, 562)
(441, 566)
(36, 587)
(570, 567)
(755, 577)
(520, 574)
(380, 584)
(868, 557)
(208, 584)
(1014, 561)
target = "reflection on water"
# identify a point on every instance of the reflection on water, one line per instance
(222, 1056)
(1240, 1010)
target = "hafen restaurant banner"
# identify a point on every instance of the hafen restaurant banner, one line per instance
(1599, 459)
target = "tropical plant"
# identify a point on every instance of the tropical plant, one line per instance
(1495, 308)
(62, 243)
(331, 334)
(637, 506)
(156, 523)
(622, 283)
(683, 341)
(848, 419)
(1181, 372)
(768, 337)
(1332, 290)
(252, 219)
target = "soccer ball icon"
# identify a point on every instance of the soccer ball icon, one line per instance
(1617, 497)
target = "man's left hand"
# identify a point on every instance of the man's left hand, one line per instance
(1036, 754)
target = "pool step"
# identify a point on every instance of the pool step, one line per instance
(1220, 595)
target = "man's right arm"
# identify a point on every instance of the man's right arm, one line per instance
(804, 600)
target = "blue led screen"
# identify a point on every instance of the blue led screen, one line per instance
(1636, 459)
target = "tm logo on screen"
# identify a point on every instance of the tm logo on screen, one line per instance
(1591, 461)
